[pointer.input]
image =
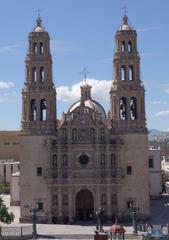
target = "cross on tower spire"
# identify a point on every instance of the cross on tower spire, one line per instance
(38, 12)
(125, 10)
(39, 20)
(84, 72)
(125, 18)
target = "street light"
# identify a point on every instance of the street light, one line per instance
(134, 210)
(33, 211)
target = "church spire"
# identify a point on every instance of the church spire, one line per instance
(39, 27)
(39, 94)
(85, 92)
(125, 20)
(39, 22)
(127, 93)
(85, 87)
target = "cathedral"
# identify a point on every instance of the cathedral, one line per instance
(70, 167)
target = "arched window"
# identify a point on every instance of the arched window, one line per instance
(133, 108)
(35, 48)
(42, 74)
(102, 134)
(34, 74)
(123, 108)
(123, 47)
(64, 134)
(64, 162)
(43, 112)
(74, 134)
(92, 134)
(54, 161)
(123, 73)
(129, 47)
(33, 110)
(102, 159)
(41, 48)
(131, 73)
(113, 159)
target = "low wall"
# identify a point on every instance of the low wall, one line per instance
(14, 233)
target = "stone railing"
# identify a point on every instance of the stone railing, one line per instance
(16, 233)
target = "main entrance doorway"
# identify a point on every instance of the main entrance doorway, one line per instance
(84, 205)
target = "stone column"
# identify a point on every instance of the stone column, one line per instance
(70, 205)
(97, 200)
(120, 203)
(49, 204)
(108, 202)
(60, 215)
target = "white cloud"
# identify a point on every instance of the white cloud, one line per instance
(162, 113)
(64, 47)
(166, 88)
(146, 29)
(153, 54)
(158, 102)
(105, 60)
(11, 94)
(9, 48)
(9, 97)
(4, 85)
(100, 90)
(5, 100)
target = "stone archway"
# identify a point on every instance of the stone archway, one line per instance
(84, 205)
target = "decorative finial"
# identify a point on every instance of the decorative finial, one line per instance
(39, 20)
(125, 18)
(84, 72)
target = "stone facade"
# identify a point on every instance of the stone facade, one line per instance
(88, 159)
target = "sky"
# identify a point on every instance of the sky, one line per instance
(82, 35)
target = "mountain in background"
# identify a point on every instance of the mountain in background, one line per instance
(155, 134)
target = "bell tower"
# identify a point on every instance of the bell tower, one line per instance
(38, 94)
(127, 115)
(38, 125)
(127, 100)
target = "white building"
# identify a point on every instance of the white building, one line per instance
(15, 190)
(165, 164)
(7, 168)
(155, 177)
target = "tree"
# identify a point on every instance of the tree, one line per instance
(5, 216)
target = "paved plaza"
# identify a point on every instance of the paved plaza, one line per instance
(159, 213)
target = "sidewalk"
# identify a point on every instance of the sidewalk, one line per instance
(159, 212)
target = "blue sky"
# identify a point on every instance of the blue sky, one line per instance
(82, 34)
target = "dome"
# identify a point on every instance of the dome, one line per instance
(39, 27)
(88, 102)
(95, 106)
(125, 26)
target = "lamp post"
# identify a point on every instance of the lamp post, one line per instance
(34, 220)
(33, 211)
(134, 209)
